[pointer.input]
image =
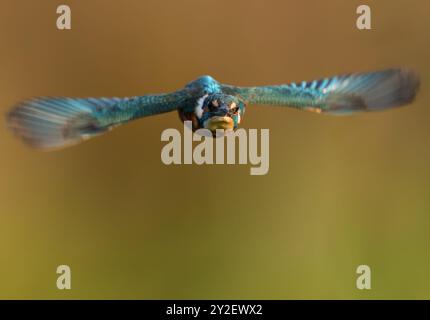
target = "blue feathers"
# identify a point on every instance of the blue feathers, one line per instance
(340, 94)
(59, 122)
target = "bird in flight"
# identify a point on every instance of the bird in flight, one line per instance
(55, 122)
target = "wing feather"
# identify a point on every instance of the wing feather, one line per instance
(58, 122)
(339, 94)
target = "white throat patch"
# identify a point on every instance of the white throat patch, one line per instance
(198, 110)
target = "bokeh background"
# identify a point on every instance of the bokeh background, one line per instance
(340, 191)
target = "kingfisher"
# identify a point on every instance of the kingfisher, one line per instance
(56, 122)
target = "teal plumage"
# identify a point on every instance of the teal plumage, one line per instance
(57, 122)
(341, 94)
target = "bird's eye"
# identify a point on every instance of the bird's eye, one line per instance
(213, 105)
(234, 108)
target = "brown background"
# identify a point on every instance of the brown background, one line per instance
(340, 191)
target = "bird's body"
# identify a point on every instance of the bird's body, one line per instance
(58, 122)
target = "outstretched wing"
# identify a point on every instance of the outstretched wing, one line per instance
(340, 94)
(58, 122)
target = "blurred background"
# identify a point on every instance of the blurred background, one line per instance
(341, 191)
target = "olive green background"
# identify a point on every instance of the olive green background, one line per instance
(341, 191)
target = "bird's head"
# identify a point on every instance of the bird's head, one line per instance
(219, 111)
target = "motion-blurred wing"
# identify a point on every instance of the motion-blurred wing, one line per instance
(58, 122)
(340, 94)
